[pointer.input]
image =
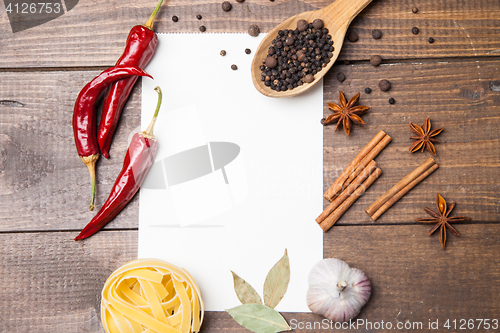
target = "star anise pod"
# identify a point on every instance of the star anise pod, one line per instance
(345, 113)
(424, 137)
(442, 219)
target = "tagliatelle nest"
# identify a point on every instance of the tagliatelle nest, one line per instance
(151, 295)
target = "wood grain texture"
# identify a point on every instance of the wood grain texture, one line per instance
(94, 32)
(51, 283)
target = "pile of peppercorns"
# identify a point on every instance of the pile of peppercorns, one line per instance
(297, 55)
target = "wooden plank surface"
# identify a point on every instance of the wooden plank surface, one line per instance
(45, 186)
(51, 283)
(94, 32)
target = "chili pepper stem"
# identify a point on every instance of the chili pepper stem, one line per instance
(90, 162)
(150, 129)
(151, 21)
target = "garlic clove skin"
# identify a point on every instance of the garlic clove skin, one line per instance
(337, 291)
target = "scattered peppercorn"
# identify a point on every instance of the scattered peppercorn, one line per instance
(384, 85)
(375, 60)
(352, 36)
(341, 77)
(376, 34)
(226, 6)
(431, 40)
(234, 67)
(296, 56)
(203, 28)
(368, 90)
(415, 30)
(223, 52)
(248, 51)
(392, 100)
(414, 10)
(254, 30)
(199, 17)
(175, 18)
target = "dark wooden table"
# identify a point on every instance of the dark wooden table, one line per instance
(49, 283)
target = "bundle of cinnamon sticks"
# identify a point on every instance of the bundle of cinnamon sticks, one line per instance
(359, 175)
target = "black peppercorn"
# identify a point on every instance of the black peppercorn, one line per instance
(392, 100)
(415, 30)
(414, 10)
(223, 52)
(352, 36)
(199, 17)
(254, 30)
(248, 51)
(226, 6)
(318, 23)
(271, 62)
(368, 90)
(376, 34)
(175, 18)
(384, 85)
(341, 77)
(302, 25)
(375, 60)
(290, 40)
(431, 40)
(234, 67)
(203, 29)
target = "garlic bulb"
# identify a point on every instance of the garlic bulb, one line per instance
(337, 291)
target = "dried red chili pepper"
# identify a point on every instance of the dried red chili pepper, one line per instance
(84, 116)
(139, 158)
(141, 44)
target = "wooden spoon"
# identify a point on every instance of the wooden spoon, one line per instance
(336, 17)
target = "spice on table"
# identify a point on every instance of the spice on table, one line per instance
(415, 30)
(226, 6)
(234, 67)
(414, 10)
(346, 112)
(294, 55)
(175, 18)
(199, 17)
(341, 77)
(138, 159)
(431, 40)
(368, 90)
(336, 290)
(376, 34)
(384, 85)
(203, 28)
(389, 198)
(375, 60)
(253, 30)
(442, 219)
(139, 49)
(358, 164)
(425, 137)
(352, 36)
(223, 53)
(84, 116)
(392, 101)
(248, 51)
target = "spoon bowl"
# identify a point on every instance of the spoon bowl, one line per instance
(336, 18)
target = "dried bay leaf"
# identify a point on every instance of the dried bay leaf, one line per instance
(277, 282)
(259, 318)
(245, 292)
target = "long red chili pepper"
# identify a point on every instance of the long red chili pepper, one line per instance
(139, 158)
(141, 44)
(84, 116)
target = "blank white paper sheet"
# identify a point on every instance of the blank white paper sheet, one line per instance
(238, 176)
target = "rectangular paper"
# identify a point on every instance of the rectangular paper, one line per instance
(238, 176)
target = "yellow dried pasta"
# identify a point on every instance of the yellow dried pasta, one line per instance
(151, 295)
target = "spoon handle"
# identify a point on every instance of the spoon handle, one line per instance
(344, 11)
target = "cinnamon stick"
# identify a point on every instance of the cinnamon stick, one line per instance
(337, 213)
(348, 191)
(412, 176)
(368, 153)
(401, 193)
